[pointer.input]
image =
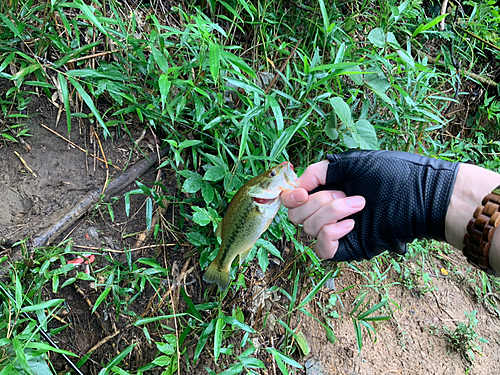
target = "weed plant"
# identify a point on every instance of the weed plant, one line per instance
(234, 87)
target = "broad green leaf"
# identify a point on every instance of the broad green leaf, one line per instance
(357, 78)
(278, 115)
(246, 123)
(235, 369)
(248, 87)
(366, 135)
(43, 347)
(214, 61)
(391, 39)
(379, 86)
(324, 14)
(372, 310)
(262, 256)
(160, 59)
(92, 73)
(251, 362)
(7, 22)
(192, 185)
(406, 58)
(214, 174)
(18, 293)
(164, 85)
(342, 110)
(377, 37)
(219, 327)
(236, 323)
(157, 318)
(237, 62)
(207, 192)
(302, 342)
(269, 247)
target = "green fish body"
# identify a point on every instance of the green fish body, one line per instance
(249, 214)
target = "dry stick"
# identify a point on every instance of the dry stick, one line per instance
(477, 77)
(124, 251)
(283, 66)
(75, 145)
(89, 200)
(104, 341)
(105, 160)
(24, 163)
(443, 11)
(478, 38)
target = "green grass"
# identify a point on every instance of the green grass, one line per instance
(349, 75)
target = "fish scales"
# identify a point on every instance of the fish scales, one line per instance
(249, 214)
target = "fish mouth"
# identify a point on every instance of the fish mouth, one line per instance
(264, 201)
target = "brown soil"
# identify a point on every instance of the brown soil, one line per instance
(412, 343)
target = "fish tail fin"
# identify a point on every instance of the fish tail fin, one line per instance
(217, 274)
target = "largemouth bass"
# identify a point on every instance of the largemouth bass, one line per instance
(249, 214)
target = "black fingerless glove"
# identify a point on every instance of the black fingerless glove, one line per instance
(407, 197)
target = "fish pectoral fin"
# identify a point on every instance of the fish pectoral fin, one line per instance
(244, 255)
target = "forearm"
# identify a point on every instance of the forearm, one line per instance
(471, 186)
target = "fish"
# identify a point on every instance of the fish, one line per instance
(249, 214)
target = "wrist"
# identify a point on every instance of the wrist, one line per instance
(471, 186)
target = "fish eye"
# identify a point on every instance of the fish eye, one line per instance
(272, 174)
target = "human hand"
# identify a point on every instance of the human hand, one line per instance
(406, 196)
(321, 213)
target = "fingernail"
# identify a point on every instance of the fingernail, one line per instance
(345, 223)
(335, 196)
(297, 197)
(355, 202)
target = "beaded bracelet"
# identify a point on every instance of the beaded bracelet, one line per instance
(480, 231)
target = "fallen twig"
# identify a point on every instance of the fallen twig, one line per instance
(88, 201)
(124, 251)
(283, 66)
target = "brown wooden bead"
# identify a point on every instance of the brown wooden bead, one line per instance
(480, 231)
(483, 262)
(481, 221)
(484, 249)
(488, 233)
(475, 237)
(495, 219)
(490, 208)
(491, 197)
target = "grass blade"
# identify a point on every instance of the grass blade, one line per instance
(86, 98)
(65, 94)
